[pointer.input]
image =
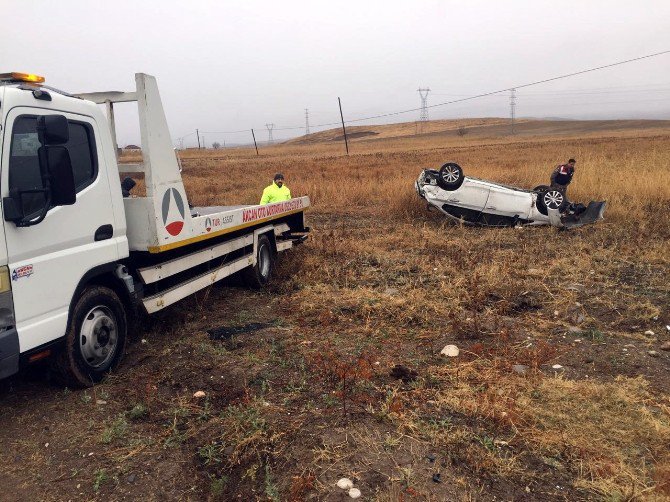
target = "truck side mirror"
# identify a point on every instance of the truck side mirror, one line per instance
(57, 174)
(61, 176)
(53, 130)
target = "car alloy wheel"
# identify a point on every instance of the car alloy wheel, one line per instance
(553, 199)
(451, 174)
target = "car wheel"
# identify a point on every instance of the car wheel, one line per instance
(552, 198)
(95, 340)
(259, 275)
(450, 176)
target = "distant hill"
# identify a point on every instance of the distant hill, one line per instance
(482, 127)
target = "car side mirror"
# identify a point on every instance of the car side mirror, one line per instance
(53, 130)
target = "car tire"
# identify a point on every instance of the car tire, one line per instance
(551, 198)
(259, 275)
(95, 340)
(450, 176)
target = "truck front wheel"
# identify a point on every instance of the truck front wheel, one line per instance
(95, 340)
(259, 275)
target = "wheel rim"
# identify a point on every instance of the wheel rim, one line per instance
(553, 199)
(450, 174)
(99, 337)
(264, 260)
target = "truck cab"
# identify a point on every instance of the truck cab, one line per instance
(76, 257)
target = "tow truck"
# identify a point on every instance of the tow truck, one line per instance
(80, 256)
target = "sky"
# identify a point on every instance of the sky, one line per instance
(227, 66)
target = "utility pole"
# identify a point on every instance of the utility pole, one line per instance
(512, 108)
(204, 146)
(197, 133)
(270, 127)
(306, 121)
(255, 145)
(344, 129)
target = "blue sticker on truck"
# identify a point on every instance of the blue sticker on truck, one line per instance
(24, 271)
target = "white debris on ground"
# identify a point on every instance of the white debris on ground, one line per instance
(354, 493)
(557, 367)
(649, 333)
(345, 484)
(450, 351)
(199, 394)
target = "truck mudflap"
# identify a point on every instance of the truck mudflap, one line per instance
(593, 213)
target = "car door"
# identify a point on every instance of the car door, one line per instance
(468, 200)
(47, 260)
(505, 201)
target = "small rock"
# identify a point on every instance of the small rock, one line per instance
(354, 493)
(199, 394)
(665, 346)
(653, 353)
(667, 327)
(144, 340)
(100, 401)
(131, 478)
(578, 340)
(555, 313)
(450, 351)
(431, 458)
(557, 367)
(436, 477)
(391, 291)
(649, 333)
(46, 445)
(345, 483)
(574, 329)
(521, 369)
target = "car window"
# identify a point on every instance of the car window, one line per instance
(24, 167)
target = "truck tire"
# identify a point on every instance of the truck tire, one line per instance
(259, 275)
(95, 340)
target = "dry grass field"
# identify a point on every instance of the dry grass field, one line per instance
(335, 370)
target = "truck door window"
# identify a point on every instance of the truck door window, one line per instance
(24, 168)
(82, 154)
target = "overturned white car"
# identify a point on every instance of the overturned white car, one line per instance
(479, 202)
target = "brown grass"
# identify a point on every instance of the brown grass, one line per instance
(382, 282)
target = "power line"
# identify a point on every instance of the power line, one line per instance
(390, 114)
(467, 98)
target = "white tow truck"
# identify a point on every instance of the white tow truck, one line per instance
(79, 256)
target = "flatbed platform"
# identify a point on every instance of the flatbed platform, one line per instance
(175, 227)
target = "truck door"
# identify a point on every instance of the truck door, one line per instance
(47, 260)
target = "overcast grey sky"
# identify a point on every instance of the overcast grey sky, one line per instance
(225, 66)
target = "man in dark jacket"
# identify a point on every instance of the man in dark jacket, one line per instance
(562, 175)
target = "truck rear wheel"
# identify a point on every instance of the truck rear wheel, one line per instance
(95, 340)
(259, 275)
